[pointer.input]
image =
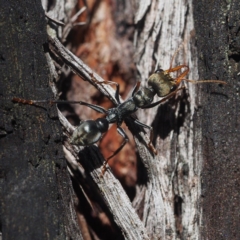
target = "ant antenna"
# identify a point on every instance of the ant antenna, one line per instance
(181, 78)
(176, 52)
(203, 81)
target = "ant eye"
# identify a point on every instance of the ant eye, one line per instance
(158, 70)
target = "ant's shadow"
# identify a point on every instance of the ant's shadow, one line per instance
(91, 158)
(167, 119)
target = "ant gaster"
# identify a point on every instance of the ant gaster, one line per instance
(160, 83)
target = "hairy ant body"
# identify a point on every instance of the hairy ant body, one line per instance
(160, 83)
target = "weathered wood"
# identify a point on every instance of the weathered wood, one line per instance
(217, 31)
(36, 192)
(172, 191)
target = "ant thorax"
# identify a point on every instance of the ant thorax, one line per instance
(123, 110)
(143, 96)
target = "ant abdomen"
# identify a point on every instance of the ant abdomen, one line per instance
(89, 132)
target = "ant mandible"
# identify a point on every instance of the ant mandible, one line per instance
(160, 83)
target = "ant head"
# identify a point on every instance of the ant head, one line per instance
(161, 83)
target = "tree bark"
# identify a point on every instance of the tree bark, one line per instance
(172, 191)
(217, 30)
(37, 200)
(191, 190)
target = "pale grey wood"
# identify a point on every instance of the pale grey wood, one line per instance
(166, 25)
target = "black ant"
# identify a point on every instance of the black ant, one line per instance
(160, 83)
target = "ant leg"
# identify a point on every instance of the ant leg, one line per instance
(126, 139)
(162, 100)
(92, 106)
(177, 68)
(182, 75)
(150, 145)
(117, 95)
(29, 102)
(35, 102)
(137, 86)
(23, 101)
(177, 51)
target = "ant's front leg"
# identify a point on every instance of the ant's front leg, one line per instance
(125, 140)
(178, 68)
(182, 75)
(150, 145)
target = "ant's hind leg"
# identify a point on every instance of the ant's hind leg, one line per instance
(92, 106)
(150, 145)
(36, 102)
(126, 139)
